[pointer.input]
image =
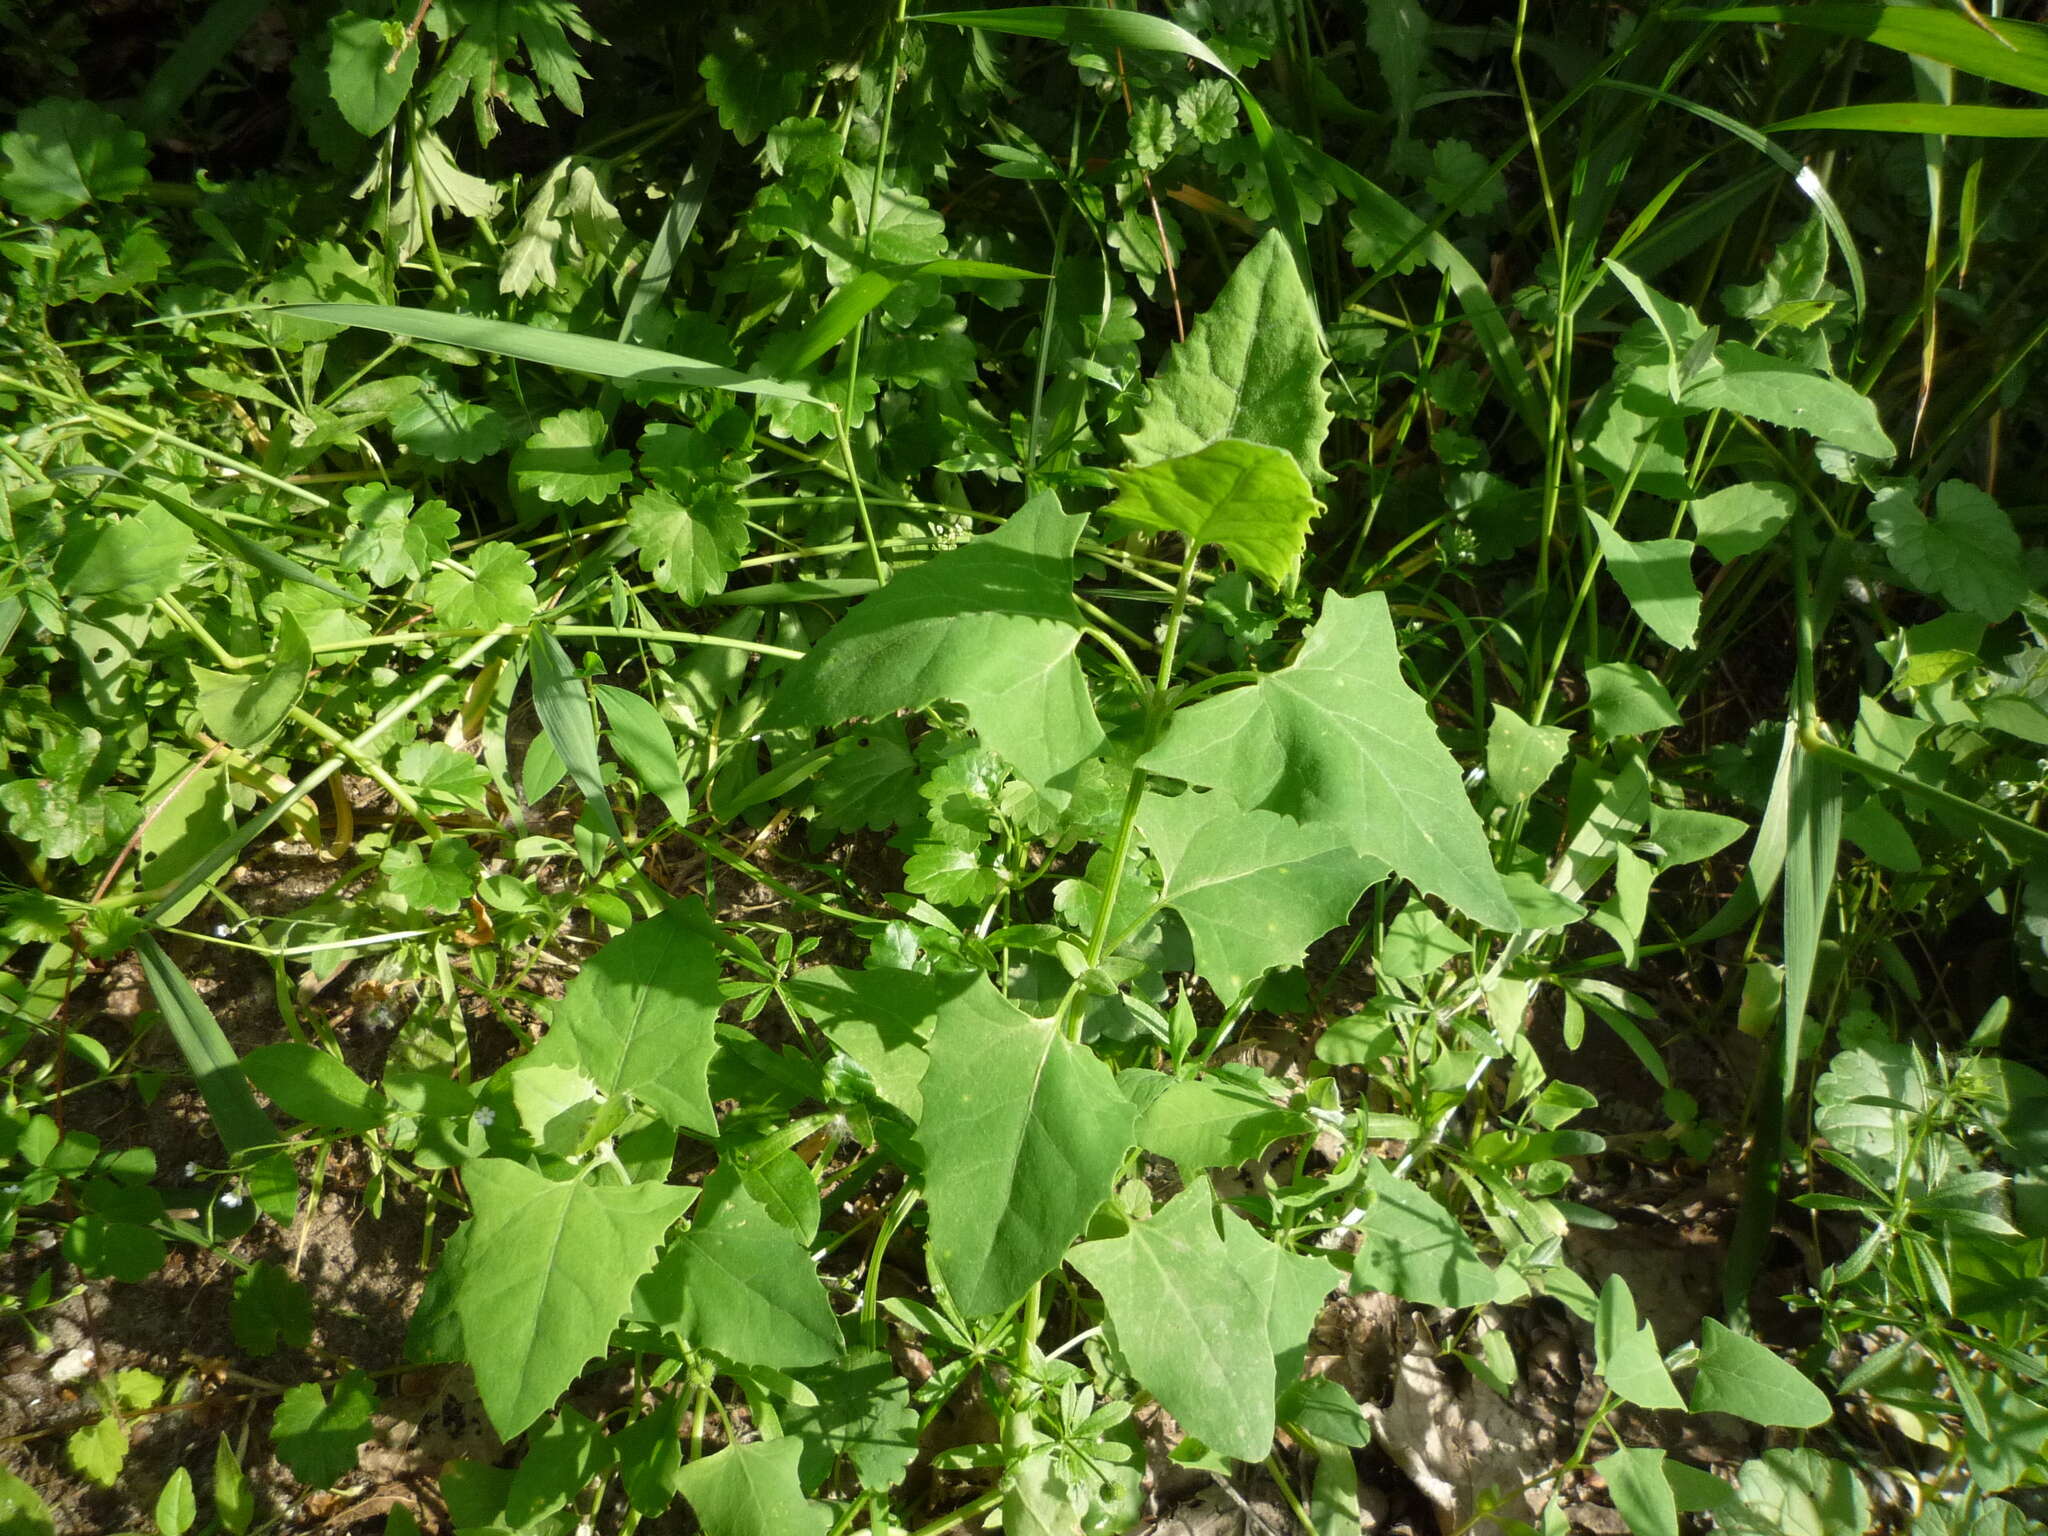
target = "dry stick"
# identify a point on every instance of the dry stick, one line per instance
(412, 35)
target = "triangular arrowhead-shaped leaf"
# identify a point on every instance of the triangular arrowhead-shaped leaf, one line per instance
(1738, 1375)
(1247, 499)
(1776, 390)
(1254, 888)
(991, 626)
(549, 1269)
(1627, 1351)
(883, 1019)
(1208, 1319)
(1339, 740)
(740, 1284)
(753, 1490)
(1023, 1133)
(1657, 576)
(1415, 1249)
(638, 1019)
(1251, 368)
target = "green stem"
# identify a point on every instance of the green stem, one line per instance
(960, 1516)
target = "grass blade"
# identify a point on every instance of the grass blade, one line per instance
(557, 349)
(1960, 121)
(563, 704)
(2010, 52)
(214, 1065)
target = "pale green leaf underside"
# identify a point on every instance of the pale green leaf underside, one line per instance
(1251, 368)
(1772, 389)
(551, 1269)
(1255, 889)
(1205, 1318)
(1247, 499)
(1627, 1351)
(1339, 741)
(991, 626)
(1022, 1136)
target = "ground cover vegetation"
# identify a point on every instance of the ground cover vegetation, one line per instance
(791, 768)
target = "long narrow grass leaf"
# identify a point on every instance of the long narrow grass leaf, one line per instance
(2010, 52)
(557, 349)
(1802, 175)
(563, 704)
(212, 1060)
(1959, 120)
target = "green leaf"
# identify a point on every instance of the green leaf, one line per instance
(650, 1455)
(208, 1055)
(558, 349)
(1201, 1124)
(497, 591)
(1625, 700)
(1251, 368)
(561, 1459)
(99, 1450)
(245, 708)
(638, 1018)
(2010, 52)
(883, 1019)
(315, 1086)
(1022, 1135)
(1954, 119)
(549, 1270)
(271, 1309)
(563, 704)
(1635, 1480)
(436, 425)
(1209, 1319)
(1738, 1375)
(440, 882)
(22, 1510)
(367, 75)
(234, 1503)
(65, 153)
(392, 542)
(1773, 389)
(741, 1284)
(1967, 553)
(1628, 1355)
(689, 546)
(1794, 1493)
(863, 1413)
(565, 460)
(1254, 888)
(130, 561)
(991, 625)
(1656, 575)
(1338, 738)
(1250, 501)
(1411, 1247)
(753, 1490)
(1742, 519)
(317, 1438)
(176, 1508)
(1520, 757)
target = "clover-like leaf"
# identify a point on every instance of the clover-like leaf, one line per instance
(390, 541)
(1967, 553)
(64, 153)
(689, 545)
(565, 460)
(498, 589)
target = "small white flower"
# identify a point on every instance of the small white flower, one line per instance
(10, 1189)
(230, 1199)
(220, 930)
(191, 1170)
(485, 1117)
